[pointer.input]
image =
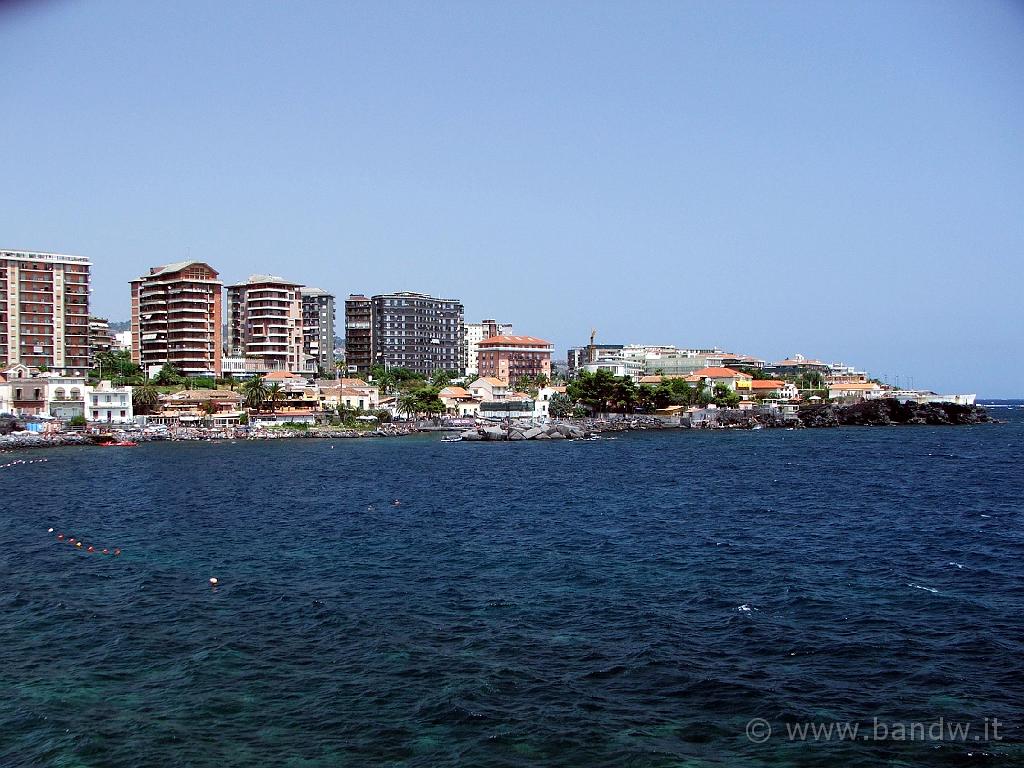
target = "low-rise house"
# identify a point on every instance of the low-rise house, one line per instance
(65, 396)
(488, 388)
(774, 388)
(854, 391)
(459, 402)
(736, 381)
(355, 394)
(192, 406)
(543, 400)
(107, 403)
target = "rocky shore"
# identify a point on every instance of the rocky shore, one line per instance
(886, 411)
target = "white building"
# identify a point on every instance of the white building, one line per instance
(110, 404)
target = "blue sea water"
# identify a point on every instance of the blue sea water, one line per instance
(633, 601)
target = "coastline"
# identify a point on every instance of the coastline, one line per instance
(882, 412)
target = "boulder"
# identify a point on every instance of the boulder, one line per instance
(556, 435)
(543, 436)
(472, 434)
(515, 434)
(530, 434)
(494, 433)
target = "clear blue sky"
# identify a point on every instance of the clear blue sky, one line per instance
(844, 180)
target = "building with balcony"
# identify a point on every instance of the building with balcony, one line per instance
(110, 404)
(44, 310)
(265, 322)
(358, 334)
(317, 330)
(510, 358)
(477, 332)
(100, 338)
(176, 318)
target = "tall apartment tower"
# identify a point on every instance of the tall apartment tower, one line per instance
(358, 334)
(265, 322)
(318, 329)
(176, 318)
(477, 332)
(44, 310)
(419, 332)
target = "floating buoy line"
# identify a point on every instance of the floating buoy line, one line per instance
(79, 544)
(16, 462)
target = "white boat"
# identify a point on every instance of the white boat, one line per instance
(453, 439)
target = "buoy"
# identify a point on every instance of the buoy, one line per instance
(78, 544)
(106, 551)
(91, 548)
(213, 581)
(117, 551)
(60, 537)
(49, 530)
(71, 541)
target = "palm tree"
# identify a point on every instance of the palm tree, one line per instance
(409, 404)
(274, 393)
(144, 398)
(255, 392)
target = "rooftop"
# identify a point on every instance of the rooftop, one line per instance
(514, 341)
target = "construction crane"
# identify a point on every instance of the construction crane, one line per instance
(591, 350)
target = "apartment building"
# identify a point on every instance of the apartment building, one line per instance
(510, 358)
(359, 334)
(317, 329)
(477, 332)
(265, 322)
(176, 318)
(44, 310)
(419, 332)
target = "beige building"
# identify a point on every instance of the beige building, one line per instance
(265, 322)
(44, 310)
(176, 318)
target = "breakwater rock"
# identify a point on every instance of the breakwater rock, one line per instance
(550, 432)
(17, 441)
(886, 411)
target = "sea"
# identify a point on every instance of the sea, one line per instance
(675, 598)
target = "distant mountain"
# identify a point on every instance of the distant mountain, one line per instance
(123, 325)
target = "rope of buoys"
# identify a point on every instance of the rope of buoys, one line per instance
(116, 552)
(79, 544)
(16, 462)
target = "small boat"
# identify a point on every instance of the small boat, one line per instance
(119, 444)
(453, 439)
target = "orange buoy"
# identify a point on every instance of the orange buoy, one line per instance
(106, 551)
(71, 541)
(60, 537)
(117, 551)
(91, 549)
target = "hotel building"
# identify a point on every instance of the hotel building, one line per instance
(265, 322)
(44, 310)
(176, 318)
(477, 332)
(511, 357)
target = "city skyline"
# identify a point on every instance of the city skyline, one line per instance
(843, 182)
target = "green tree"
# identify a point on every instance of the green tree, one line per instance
(255, 392)
(274, 396)
(724, 397)
(169, 375)
(145, 398)
(561, 406)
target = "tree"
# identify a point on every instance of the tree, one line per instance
(724, 397)
(116, 364)
(144, 398)
(443, 378)
(274, 395)
(255, 392)
(560, 406)
(169, 375)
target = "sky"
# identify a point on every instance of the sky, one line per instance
(841, 180)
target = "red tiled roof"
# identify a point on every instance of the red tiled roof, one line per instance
(767, 384)
(281, 375)
(513, 341)
(721, 373)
